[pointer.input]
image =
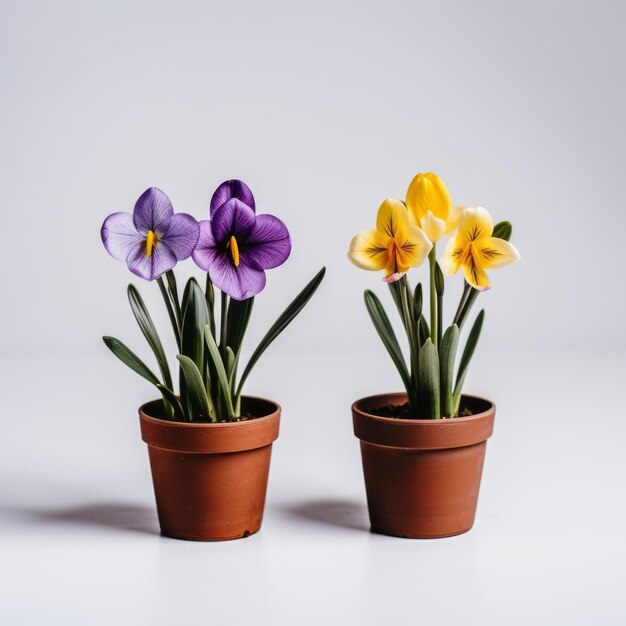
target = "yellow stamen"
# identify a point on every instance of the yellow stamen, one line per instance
(234, 250)
(151, 239)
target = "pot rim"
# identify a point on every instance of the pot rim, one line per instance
(211, 437)
(421, 434)
(164, 422)
(434, 422)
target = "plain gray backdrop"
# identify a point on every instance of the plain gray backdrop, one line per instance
(325, 109)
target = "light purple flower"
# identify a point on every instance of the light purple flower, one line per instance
(236, 246)
(153, 239)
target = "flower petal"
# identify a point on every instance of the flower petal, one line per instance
(182, 235)
(453, 255)
(120, 236)
(475, 224)
(392, 216)
(475, 275)
(453, 217)
(368, 250)
(233, 218)
(412, 249)
(494, 252)
(241, 282)
(151, 267)
(269, 243)
(427, 192)
(206, 249)
(153, 211)
(231, 189)
(434, 227)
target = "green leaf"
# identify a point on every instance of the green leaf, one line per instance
(439, 281)
(216, 358)
(388, 337)
(173, 292)
(231, 366)
(418, 302)
(466, 357)
(503, 230)
(172, 401)
(149, 332)
(423, 330)
(238, 317)
(195, 318)
(286, 317)
(195, 386)
(429, 378)
(396, 293)
(447, 354)
(129, 358)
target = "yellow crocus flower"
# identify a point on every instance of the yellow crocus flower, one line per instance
(394, 246)
(430, 208)
(474, 250)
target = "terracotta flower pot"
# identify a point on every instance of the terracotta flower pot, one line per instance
(210, 479)
(422, 476)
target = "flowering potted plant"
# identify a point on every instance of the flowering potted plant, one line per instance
(423, 449)
(209, 445)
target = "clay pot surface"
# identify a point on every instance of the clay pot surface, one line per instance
(422, 477)
(210, 479)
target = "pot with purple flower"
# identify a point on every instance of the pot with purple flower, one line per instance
(209, 445)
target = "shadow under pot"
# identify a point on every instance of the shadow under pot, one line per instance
(210, 479)
(422, 477)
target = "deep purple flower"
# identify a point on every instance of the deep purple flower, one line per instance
(153, 239)
(236, 246)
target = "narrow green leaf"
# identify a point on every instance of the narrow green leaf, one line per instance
(230, 362)
(215, 356)
(195, 386)
(396, 293)
(286, 317)
(388, 337)
(447, 355)
(170, 310)
(195, 318)
(231, 371)
(149, 331)
(418, 302)
(129, 358)
(238, 317)
(423, 330)
(466, 357)
(439, 281)
(173, 292)
(429, 378)
(172, 401)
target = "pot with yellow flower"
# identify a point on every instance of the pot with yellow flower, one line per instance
(423, 449)
(209, 445)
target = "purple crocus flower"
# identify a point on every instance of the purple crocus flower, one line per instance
(153, 239)
(236, 246)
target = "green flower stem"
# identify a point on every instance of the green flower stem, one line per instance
(432, 259)
(465, 305)
(170, 311)
(411, 332)
(210, 300)
(464, 296)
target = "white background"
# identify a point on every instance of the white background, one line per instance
(324, 109)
